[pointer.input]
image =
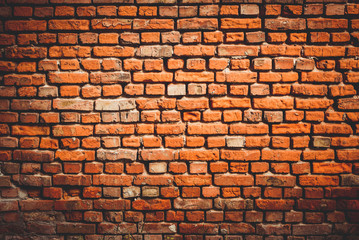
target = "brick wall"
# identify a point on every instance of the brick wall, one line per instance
(188, 119)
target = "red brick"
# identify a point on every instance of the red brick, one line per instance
(291, 128)
(151, 204)
(265, 204)
(333, 168)
(229, 120)
(318, 180)
(198, 50)
(273, 103)
(233, 180)
(280, 50)
(153, 24)
(281, 155)
(230, 103)
(237, 50)
(25, 25)
(110, 180)
(199, 155)
(244, 23)
(236, 77)
(207, 129)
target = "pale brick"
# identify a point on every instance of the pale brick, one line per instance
(321, 142)
(197, 89)
(149, 191)
(350, 180)
(48, 91)
(8, 142)
(73, 104)
(112, 192)
(115, 105)
(252, 115)
(130, 116)
(155, 51)
(273, 116)
(260, 90)
(158, 167)
(116, 154)
(235, 142)
(131, 192)
(249, 9)
(176, 90)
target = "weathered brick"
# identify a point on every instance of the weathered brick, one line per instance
(68, 24)
(237, 50)
(154, 51)
(108, 51)
(312, 229)
(285, 24)
(26, 52)
(199, 155)
(76, 228)
(176, 89)
(230, 103)
(207, 129)
(191, 204)
(115, 105)
(326, 51)
(152, 77)
(25, 25)
(118, 24)
(276, 181)
(110, 180)
(151, 204)
(198, 23)
(153, 24)
(318, 180)
(117, 154)
(244, 23)
(273, 103)
(327, 23)
(268, 204)
(110, 78)
(72, 131)
(30, 130)
(235, 142)
(181, 76)
(71, 78)
(194, 51)
(158, 155)
(193, 180)
(233, 180)
(236, 77)
(69, 104)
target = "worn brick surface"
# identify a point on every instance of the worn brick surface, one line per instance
(179, 119)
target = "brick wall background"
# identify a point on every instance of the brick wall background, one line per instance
(188, 119)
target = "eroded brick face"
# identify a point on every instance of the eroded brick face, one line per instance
(179, 119)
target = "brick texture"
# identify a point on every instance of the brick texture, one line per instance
(179, 119)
